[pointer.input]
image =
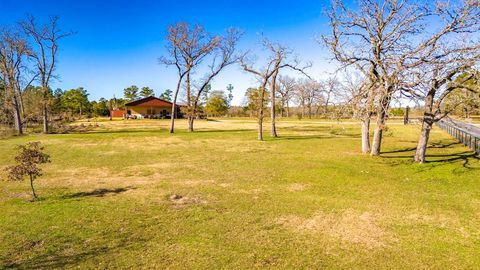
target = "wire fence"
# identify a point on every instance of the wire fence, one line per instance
(466, 137)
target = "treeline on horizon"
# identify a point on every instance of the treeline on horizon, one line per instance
(297, 98)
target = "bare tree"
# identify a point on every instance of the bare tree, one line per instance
(285, 90)
(436, 65)
(225, 55)
(307, 93)
(331, 88)
(438, 87)
(187, 48)
(376, 39)
(357, 96)
(45, 40)
(280, 57)
(13, 51)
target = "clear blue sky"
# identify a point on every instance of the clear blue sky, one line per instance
(118, 42)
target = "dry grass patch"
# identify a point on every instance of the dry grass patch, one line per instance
(350, 227)
(297, 187)
(101, 177)
(441, 221)
(151, 143)
(181, 201)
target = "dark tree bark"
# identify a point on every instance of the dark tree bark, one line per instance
(17, 116)
(382, 112)
(406, 118)
(173, 115)
(427, 123)
(33, 189)
(272, 108)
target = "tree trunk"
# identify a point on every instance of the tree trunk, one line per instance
(260, 113)
(366, 134)
(173, 115)
(45, 119)
(406, 118)
(423, 142)
(17, 115)
(272, 112)
(377, 135)
(303, 109)
(260, 126)
(45, 109)
(189, 103)
(174, 106)
(288, 109)
(33, 189)
(379, 126)
(190, 123)
(427, 123)
(325, 110)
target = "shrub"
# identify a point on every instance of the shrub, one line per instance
(28, 159)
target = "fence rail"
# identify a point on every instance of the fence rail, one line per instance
(460, 131)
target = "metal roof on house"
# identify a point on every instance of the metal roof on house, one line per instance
(150, 102)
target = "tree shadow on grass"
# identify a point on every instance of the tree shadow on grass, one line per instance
(62, 257)
(123, 131)
(434, 145)
(466, 157)
(222, 130)
(311, 137)
(101, 192)
(55, 260)
(442, 159)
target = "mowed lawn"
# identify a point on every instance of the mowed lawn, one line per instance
(127, 194)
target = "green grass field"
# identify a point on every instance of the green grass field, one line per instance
(308, 199)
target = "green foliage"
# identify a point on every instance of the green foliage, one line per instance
(146, 92)
(131, 93)
(397, 111)
(33, 103)
(57, 101)
(253, 100)
(217, 104)
(118, 102)
(100, 108)
(5, 113)
(28, 159)
(463, 102)
(166, 95)
(75, 101)
(206, 92)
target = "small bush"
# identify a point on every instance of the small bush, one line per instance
(28, 159)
